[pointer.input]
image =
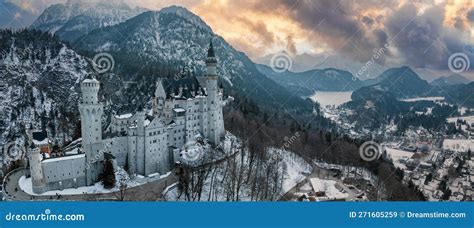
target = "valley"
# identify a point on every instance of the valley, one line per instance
(313, 133)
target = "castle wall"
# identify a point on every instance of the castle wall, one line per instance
(118, 146)
(156, 153)
(64, 172)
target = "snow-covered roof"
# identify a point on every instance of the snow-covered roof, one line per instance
(124, 116)
(64, 158)
(179, 110)
(89, 80)
(40, 138)
(42, 142)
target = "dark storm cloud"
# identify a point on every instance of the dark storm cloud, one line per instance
(470, 16)
(333, 21)
(368, 21)
(421, 40)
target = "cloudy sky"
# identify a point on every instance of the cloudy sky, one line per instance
(419, 33)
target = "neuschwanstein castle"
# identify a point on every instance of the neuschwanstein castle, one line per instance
(147, 144)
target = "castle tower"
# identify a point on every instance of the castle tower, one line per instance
(36, 170)
(159, 99)
(91, 126)
(216, 122)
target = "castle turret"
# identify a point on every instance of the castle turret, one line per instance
(91, 126)
(91, 111)
(159, 99)
(211, 61)
(216, 121)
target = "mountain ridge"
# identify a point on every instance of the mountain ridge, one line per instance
(176, 38)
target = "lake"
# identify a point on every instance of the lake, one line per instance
(331, 98)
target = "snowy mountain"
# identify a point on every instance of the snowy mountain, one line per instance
(39, 87)
(159, 43)
(74, 19)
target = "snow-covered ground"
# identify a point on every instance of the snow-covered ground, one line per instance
(469, 119)
(397, 155)
(424, 99)
(285, 168)
(294, 168)
(458, 145)
(328, 187)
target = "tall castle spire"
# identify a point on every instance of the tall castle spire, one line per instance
(211, 61)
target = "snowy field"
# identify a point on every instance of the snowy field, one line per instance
(397, 155)
(458, 145)
(469, 119)
(423, 99)
(331, 98)
(328, 187)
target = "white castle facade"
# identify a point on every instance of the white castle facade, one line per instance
(148, 145)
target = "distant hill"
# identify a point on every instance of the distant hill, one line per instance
(460, 94)
(454, 79)
(307, 82)
(307, 62)
(402, 82)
